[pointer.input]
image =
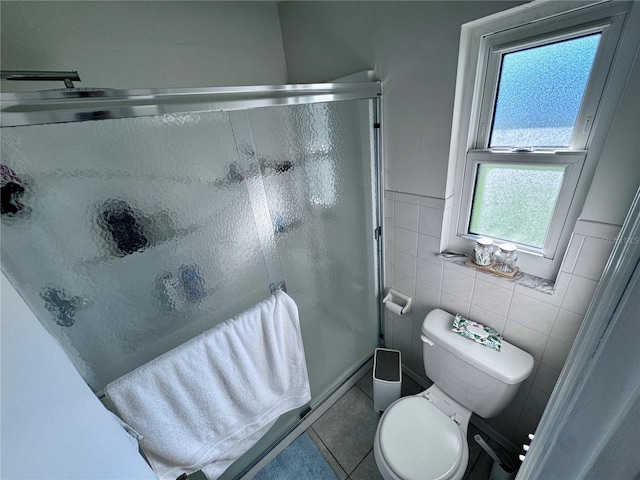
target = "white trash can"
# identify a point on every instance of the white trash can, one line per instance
(387, 377)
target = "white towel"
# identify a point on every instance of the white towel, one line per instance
(203, 404)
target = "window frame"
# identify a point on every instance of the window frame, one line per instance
(482, 44)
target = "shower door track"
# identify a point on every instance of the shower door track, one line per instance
(82, 104)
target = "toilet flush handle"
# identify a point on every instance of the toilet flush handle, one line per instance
(427, 340)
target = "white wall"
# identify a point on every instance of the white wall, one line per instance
(413, 48)
(53, 426)
(150, 44)
(618, 172)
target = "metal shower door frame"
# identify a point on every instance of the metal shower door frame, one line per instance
(82, 104)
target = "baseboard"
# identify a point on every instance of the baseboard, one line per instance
(420, 380)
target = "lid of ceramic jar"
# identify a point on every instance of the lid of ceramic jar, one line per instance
(507, 247)
(484, 241)
(419, 442)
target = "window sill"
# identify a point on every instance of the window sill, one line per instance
(524, 279)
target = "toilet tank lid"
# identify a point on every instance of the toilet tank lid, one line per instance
(510, 365)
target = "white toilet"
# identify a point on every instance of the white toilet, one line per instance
(424, 437)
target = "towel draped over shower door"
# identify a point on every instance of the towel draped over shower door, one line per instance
(203, 404)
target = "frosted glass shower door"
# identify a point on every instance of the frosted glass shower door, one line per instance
(319, 174)
(133, 235)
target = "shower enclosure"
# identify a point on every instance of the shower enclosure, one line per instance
(135, 220)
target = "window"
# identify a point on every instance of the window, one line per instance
(539, 93)
(515, 201)
(520, 197)
(535, 98)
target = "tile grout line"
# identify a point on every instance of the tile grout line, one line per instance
(364, 391)
(360, 462)
(330, 452)
(348, 474)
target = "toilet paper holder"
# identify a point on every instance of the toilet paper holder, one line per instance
(398, 302)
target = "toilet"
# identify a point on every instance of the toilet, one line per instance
(424, 436)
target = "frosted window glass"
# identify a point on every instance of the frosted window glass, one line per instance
(540, 91)
(515, 202)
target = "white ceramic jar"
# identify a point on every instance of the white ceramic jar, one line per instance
(504, 258)
(482, 251)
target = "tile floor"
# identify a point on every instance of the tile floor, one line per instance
(344, 435)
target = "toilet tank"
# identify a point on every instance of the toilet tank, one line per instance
(482, 379)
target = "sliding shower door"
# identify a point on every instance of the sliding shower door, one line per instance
(132, 235)
(319, 179)
(127, 236)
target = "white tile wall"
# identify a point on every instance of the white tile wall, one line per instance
(532, 313)
(544, 325)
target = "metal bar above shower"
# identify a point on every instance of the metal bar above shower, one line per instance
(41, 76)
(82, 104)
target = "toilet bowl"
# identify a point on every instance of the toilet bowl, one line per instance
(424, 436)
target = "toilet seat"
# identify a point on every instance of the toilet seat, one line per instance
(419, 442)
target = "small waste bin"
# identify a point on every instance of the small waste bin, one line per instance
(387, 377)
